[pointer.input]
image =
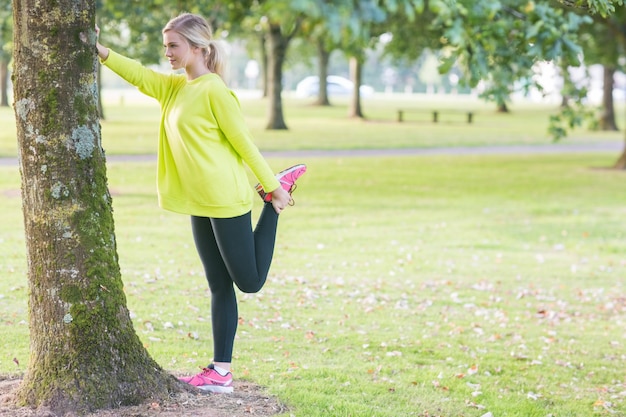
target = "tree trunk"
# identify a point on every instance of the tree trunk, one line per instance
(277, 52)
(99, 82)
(4, 82)
(84, 352)
(354, 109)
(323, 56)
(607, 118)
(502, 107)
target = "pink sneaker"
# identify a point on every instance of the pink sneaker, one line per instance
(287, 179)
(210, 380)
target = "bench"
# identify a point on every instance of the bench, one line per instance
(469, 115)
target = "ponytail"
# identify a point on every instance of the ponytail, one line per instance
(215, 58)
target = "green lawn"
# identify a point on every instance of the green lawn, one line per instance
(131, 126)
(447, 285)
(408, 286)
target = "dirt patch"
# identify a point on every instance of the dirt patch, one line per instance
(247, 400)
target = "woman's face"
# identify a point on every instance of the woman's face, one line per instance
(177, 50)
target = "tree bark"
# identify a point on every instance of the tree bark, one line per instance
(4, 82)
(84, 352)
(323, 58)
(99, 83)
(277, 52)
(607, 118)
(354, 110)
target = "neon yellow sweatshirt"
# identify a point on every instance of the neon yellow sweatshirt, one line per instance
(203, 142)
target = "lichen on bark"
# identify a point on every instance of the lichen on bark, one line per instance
(85, 354)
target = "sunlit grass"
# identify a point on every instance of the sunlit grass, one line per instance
(423, 285)
(131, 125)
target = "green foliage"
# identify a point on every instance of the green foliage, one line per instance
(573, 114)
(365, 20)
(499, 42)
(559, 126)
(495, 38)
(134, 27)
(604, 40)
(496, 42)
(601, 7)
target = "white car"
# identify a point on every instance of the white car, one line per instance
(336, 86)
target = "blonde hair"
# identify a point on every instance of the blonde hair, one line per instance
(197, 31)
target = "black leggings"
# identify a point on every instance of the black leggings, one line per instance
(232, 253)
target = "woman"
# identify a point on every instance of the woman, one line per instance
(203, 145)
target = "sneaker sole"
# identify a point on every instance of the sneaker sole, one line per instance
(293, 168)
(216, 389)
(268, 197)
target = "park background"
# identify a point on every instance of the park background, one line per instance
(474, 271)
(427, 269)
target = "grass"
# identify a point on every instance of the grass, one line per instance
(131, 125)
(409, 286)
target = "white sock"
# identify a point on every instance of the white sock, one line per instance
(221, 371)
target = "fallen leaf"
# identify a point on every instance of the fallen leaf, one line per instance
(474, 405)
(533, 396)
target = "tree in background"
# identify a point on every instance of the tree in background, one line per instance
(281, 23)
(604, 43)
(84, 352)
(535, 31)
(498, 42)
(413, 41)
(138, 26)
(316, 31)
(134, 28)
(365, 21)
(614, 47)
(609, 35)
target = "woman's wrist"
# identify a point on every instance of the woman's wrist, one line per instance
(103, 52)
